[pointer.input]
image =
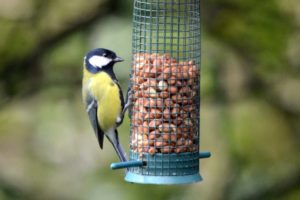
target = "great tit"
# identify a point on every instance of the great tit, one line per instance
(103, 97)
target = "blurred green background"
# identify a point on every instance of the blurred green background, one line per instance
(250, 106)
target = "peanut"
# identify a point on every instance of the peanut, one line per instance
(188, 122)
(154, 56)
(172, 80)
(156, 113)
(183, 114)
(180, 142)
(162, 85)
(188, 142)
(155, 71)
(167, 113)
(150, 83)
(167, 128)
(169, 102)
(141, 137)
(145, 143)
(164, 94)
(154, 134)
(151, 151)
(142, 149)
(191, 82)
(172, 89)
(189, 108)
(159, 103)
(180, 149)
(165, 136)
(157, 62)
(155, 102)
(175, 70)
(166, 73)
(177, 98)
(185, 100)
(137, 80)
(160, 143)
(164, 105)
(169, 137)
(149, 116)
(175, 111)
(193, 71)
(184, 128)
(150, 92)
(154, 123)
(166, 149)
(147, 72)
(151, 142)
(173, 137)
(177, 121)
(179, 84)
(137, 118)
(137, 94)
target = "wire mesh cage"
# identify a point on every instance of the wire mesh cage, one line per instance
(165, 84)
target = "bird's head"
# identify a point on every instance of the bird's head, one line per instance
(100, 59)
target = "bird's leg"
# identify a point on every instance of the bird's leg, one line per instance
(128, 101)
(127, 105)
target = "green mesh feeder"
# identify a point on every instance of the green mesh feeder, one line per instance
(165, 84)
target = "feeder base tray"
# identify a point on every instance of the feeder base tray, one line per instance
(167, 180)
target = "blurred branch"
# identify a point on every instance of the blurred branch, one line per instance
(12, 191)
(275, 190)
(27, 66)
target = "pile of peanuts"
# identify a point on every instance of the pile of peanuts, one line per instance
(165, 104)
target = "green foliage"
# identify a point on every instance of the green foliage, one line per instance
(249, 101)
(63, 63)
(256, 29)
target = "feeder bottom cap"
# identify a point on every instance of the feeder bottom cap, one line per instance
(166, 180)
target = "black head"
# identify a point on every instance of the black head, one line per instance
(100, 59)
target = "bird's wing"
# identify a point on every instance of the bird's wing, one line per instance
(91, 109)
(122, 103)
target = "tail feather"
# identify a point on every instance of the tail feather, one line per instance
(120, 152)
(114, 140)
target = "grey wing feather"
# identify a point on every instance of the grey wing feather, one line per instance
(92, 107)
(122, 103)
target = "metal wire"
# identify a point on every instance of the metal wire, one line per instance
(165, 83)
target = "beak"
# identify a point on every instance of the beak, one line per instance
(118, 59)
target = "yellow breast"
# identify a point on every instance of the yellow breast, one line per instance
(106, 92)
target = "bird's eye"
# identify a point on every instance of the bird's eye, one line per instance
(104, 55)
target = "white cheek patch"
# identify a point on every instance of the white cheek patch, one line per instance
(99, 61)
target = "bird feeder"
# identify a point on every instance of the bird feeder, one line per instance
(165, 84)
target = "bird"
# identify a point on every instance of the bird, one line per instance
(103, 97)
